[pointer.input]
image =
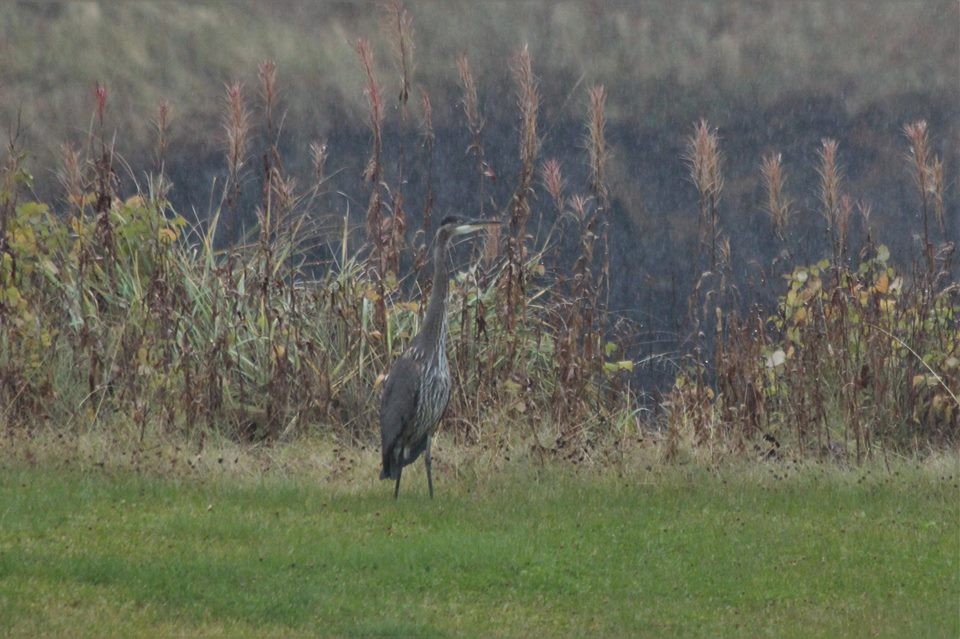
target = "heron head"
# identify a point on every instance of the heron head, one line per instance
(453, 225)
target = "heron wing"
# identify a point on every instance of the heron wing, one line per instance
(398, 407)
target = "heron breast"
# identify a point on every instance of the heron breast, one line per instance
(434, 394)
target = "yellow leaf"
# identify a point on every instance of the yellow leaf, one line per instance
(883, 284)
(167, 235)
(12, 295)
(616, 367)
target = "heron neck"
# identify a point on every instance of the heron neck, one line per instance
(435, 322)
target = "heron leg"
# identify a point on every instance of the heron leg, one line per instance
(396, 489)
(429, 464)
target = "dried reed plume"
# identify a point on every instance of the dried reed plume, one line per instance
(835, 210)
(553, 182)
(470, 102)
(161, 124)
(267, 73)
(916, 134)
(236, 125)
(830, 179)
(528, 102)
(704, 159)
(597, 144)
(70, 176)
(777, 204)
(925, 180)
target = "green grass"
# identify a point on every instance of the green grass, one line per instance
(661, 552)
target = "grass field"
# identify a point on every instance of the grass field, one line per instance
(778, 551)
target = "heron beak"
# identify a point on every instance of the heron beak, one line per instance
(472, 226)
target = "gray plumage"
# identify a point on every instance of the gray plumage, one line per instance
(417, 389)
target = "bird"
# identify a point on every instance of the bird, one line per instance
(417, 388)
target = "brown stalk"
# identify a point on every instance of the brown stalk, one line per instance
(399, 26)
(318, 160)
(919, 158)
(528, 103)
(103, 168)
(597, 144)
(936, 170)
(599, 156)
(475, 123)
(428, 139)
(373, 174)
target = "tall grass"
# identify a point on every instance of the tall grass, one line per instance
(115, 309)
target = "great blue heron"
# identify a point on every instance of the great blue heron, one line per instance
(417, 389)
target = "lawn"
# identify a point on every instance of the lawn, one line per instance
(775, 551)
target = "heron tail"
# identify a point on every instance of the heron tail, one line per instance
(390, 469)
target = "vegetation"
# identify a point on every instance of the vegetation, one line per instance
(793, 550)
(116, 310)
(207, 361)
